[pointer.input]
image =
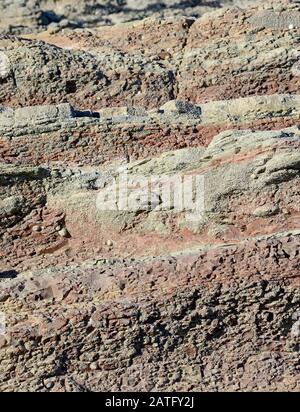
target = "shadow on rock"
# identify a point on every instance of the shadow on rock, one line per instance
(8, 274)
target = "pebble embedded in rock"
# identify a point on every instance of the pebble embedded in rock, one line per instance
(266, 211)
(37, 228)
(295, 332)
(64, 232)
(94, 366)
(4, 66)
(3, 341)
(49, 385)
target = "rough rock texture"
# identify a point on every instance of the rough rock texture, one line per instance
(155, 296)
(189, 60)
(28, 16)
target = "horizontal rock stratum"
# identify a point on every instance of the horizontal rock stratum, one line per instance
(185, 277)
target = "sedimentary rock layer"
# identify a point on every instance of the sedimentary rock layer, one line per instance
(224, 55)
(162, 324)
(21, 17)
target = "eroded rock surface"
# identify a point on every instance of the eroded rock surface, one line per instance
(21, 17)
(157, 294)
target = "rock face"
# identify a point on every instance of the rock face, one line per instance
(149, 186)
(36, 15)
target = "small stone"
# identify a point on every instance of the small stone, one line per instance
(2, 341)
(176, 377)
(28, 345)
(94, 366)
(53, 28)
(4, 66)
(266, 211)
(64, 232)
(296, 315)
(291, 27)
(36, 228)
(295, 332)
(164, 55)
(49, 385)
(109, 243)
